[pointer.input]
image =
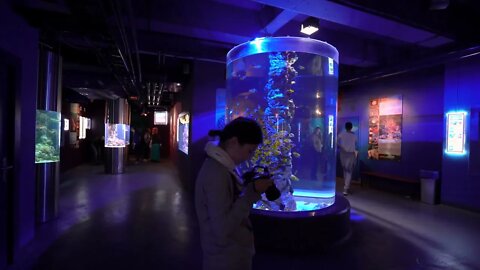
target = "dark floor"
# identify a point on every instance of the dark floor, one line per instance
(144, 220)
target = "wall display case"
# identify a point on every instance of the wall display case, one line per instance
(385, 128)
(456, 127)
(183, 132)
(116, 135)
(47, 136)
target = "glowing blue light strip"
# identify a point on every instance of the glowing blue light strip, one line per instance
(330, 128)
(278, 44)
(456, 127)
(331, 70)
(312, 193)
(258, 43)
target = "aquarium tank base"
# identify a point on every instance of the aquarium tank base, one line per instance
(302, 231)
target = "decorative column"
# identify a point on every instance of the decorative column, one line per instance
(47, 137)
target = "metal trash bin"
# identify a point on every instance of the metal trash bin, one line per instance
(429, 186)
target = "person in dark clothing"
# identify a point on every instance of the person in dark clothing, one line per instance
(155, 149)
(147, 140)
(138, 145)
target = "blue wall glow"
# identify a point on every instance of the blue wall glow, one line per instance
(330, 66)
(422, 120)
(460, 176)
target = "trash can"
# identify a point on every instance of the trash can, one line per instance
(429, 186)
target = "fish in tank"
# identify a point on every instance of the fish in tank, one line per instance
(115, 135)
(47, 136)
(289, 86)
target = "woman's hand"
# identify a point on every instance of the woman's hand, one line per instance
(261, 185)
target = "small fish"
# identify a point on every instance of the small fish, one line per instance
(256, 66)
(253, 90)
(245, 94)
(301, 67)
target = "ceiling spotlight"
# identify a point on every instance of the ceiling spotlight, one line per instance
(310, 26)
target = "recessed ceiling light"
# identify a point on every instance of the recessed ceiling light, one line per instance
(310, 26)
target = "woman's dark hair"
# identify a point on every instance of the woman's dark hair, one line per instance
(245, 129)
(348, 126)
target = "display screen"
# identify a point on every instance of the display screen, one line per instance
(160, 118)
(66, 124)
(47, 136)
(116, 135)
(456, 133)
(82, 130)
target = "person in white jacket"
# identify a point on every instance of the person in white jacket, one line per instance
(223, 203)
(347, 142)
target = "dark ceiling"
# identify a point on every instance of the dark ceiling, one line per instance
(113, 47)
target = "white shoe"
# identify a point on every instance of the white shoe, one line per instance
(345, 193)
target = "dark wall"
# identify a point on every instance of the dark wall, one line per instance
(422, 125)
(208, 77)
(21, 40)
(461, 174)
(199, 98)
(70, 156)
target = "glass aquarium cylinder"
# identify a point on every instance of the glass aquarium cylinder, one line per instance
(290, 86)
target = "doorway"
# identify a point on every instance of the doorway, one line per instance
(9, 75)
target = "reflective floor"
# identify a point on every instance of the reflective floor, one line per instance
(143, 219)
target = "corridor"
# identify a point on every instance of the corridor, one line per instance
(144, 219)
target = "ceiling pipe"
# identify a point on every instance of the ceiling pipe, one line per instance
(182, 57)
(123, 34)
(412, 66)
(135, 41)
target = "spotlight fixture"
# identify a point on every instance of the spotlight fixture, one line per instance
(310, 26)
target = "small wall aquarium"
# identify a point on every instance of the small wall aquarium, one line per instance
(47, 136)
(183, 131)
(116, 135)
(290, 86)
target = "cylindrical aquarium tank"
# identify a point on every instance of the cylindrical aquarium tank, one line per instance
(290, 86)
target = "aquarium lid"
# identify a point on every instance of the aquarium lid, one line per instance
(279, 44)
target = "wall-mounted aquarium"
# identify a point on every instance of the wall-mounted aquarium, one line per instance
(116, 135)
(182, 131)
(127, 134)
(47, 136)
(289, 85)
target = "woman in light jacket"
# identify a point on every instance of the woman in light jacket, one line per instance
(223, 203)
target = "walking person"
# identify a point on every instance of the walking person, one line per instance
(347, 142)
(318, 170)
(223, 202)
(147, 143)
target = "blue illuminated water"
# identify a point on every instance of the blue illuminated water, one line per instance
(294, 96)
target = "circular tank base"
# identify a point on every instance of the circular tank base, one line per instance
(302, 231)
